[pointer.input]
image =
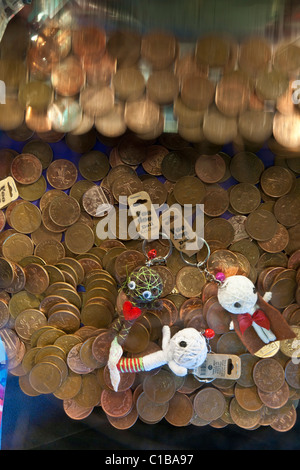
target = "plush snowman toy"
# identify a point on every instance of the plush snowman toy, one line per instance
(237, 295)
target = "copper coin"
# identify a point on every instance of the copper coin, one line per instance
(37, 279)
(197, 92)
(248, 397)
(64, 210)
(97, 201)
(124, 422)
(137, 339)
(216, 202)
(26, 168)
(180, 410)
(285, 419)
(285, 130)
(126, 262)
(74, 361)
(209, 404)
(149, 411)
(255, 54)
(261, 225)
(126, 380)
(218, 128)
(75, 411)
(154, 158)
(283, 292)
(246, 167)
(219, 229)
(45, 377)
(278, 242)
(93, 165)
(160, 387)
(190, 281)
(132, 151)
(113, 123)
(276, 399)
(244, 197)
(101, 346)
(276, 181)
(292, 374)
(247, 363)
(116, 404)
(68, 77)
(268, 375)
(61, 174)
(210, 168)
(218, 318)
(287, 210)
(243, 418)
(230, 343)
(174, 166)
(212, 50)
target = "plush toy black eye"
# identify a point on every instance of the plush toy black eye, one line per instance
(183, 344)
(237, 305)
(254, 290)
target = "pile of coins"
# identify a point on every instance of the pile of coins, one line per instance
(61, 285)
(219, 90)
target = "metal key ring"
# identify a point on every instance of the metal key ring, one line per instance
(158, 259)
(200, 263)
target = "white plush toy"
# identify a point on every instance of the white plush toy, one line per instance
(187, 349)
(255, 321)
(238, 295)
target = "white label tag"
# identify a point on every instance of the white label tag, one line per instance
(8, 191)
(144, 216)
(219, 366)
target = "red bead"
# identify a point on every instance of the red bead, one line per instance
(209, 333)
(152, 254)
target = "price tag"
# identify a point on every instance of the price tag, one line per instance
(219, 366)
(8, 191)
(180, 231)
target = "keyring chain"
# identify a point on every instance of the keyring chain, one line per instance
(152, 258)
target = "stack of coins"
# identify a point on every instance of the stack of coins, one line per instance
(215, 88)
(61, 283)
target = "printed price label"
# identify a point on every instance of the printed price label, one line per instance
(219, 366)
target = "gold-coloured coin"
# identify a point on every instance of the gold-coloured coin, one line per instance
(25, 217)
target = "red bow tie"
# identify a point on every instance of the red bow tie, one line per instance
(245, 320)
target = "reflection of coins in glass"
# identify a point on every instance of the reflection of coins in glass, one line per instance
(37, 121)
(142, 115)
(162, 87)
(255, 55)
(129, 84)
(12, 73)
(99, 70)
(255, 126)
(187, 65)
(68, 77)
(271, 85)
(197, 92)
(218, 128)
(97, 100)
(287, 58)
(11, 115)
(88, 40)
(286, 130)
(159, 49)
(37, 95)
(113, 123)
(212, 50)
(125, 47)
(65, 114)
(186, 116)
(232, 94)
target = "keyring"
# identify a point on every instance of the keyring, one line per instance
(162, 260)
(200, 263)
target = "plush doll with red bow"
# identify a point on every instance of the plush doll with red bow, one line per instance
(255, 321)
